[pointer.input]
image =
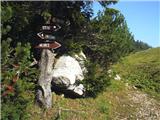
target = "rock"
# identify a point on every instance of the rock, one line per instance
(81, 59)
(80, 56)
(117, 77)
(67, 71)
(62, 96)
(134, 88)
(109, 71)
(77, 89)
(110, 75)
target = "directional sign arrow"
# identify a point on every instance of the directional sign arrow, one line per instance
(44, 36)
(51, 27)
(53, 45)
(41, 35)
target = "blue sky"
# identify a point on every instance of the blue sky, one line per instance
(142, 18)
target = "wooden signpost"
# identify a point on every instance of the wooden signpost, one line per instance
(48, 27)
(48, 40)
(47, 44)
(52, 45)
(44, 36)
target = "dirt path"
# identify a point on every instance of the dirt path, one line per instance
(132, 104)
(147, 108)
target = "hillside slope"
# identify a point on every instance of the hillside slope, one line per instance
(142, 69)
(124, 99)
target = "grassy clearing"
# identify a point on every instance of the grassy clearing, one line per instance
(115, 103)
(102, 107)
(142, 69)
(72, 109)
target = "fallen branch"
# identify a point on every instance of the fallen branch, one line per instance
(34, 62)
(60, 110)
(71, 110)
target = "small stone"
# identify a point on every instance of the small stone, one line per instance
(134, 87)
(62, 96)
(109, 71)
(117, 77)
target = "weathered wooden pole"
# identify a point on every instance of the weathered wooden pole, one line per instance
(44, 94)
(47, 44)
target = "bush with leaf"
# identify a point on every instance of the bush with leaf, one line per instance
(96, 80)
(18, 81)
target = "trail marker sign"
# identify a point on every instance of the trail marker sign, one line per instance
(44, 95)
(53, 45)
(46, 37)
(49, 27)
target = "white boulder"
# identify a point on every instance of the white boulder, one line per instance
(77, 89)
(67, 71)
(81, 60)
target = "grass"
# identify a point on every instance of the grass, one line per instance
(102, 107)
(136, 69)
(72, 109)
(142, 69)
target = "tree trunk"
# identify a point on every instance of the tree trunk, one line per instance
(44, 95)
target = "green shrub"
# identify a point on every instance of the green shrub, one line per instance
(14, 109)
(20, 78)
(96, 80)
(146, 76)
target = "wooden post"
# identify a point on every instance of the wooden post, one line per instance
(44, 95)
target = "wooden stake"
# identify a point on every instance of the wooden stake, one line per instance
(44, 95)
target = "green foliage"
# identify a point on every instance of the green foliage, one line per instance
(146, 77)
(6, 13)
(22, 53)
(139, 45)
(6, 50)
(14, 109)
(111, 38)
(104, 39)
(73, 47)
(106, 3)
(20, 23)
(95, 80)
(103, 107)
(46, 15)
(17, 73)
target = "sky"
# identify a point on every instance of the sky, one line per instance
(142, 19)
